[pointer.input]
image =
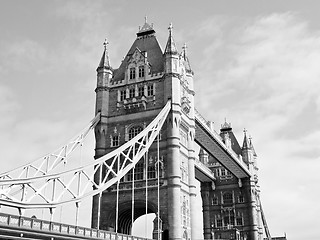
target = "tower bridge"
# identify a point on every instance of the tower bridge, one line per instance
(147, 136)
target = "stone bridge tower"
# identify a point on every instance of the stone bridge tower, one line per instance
(128, 99)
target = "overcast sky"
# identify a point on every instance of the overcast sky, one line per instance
(255, 62)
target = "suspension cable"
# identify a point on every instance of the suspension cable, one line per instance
(61, 207)
(146, 166)
(132, 201)
(99, 198)
(79, 187)
(158, 186)
(117, 204)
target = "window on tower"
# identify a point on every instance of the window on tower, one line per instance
(122, 95)
(141, 91)
(214, 201)
(227, 198)
(131, 93)
(151, 172)
(132, 73)
(219, 223)
(134, 131)
(239, 221)
(115, 141)
(138, 171)
(150, 90)
(141, 71)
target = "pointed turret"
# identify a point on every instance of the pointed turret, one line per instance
(104, 75)
(105, 61)
(203, 156)
(171, 45)
(185, 59)
(251, 147)
(229, 138)
(172, 70)
(246, 144)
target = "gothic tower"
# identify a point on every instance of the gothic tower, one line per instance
(231, 207)
(128, 99)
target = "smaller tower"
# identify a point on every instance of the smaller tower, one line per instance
(250, 158)
(246, 150)
(104, 75)
(172, 84)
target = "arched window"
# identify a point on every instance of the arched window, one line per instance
(134, 131)
(227, 198)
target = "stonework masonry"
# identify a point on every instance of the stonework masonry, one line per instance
(128, 99)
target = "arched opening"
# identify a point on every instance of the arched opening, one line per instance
(143, 226)
(142, 219)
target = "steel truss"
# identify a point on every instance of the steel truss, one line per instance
(79, 183)
(48, 163)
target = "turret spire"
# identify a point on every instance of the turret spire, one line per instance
(251, 146)
(184, 51)
(171, 46)
(246, 143)
(105, 62)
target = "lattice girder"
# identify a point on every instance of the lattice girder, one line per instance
(76, 184)
(48, 163)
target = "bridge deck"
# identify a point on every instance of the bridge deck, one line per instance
(18, 227)
(203, 173)
(212, 143)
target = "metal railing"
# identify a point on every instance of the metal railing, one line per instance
(34, 224)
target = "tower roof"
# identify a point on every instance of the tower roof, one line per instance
(146, 29)
(227, 129)
(147, 43)
(171, 46)
(226, 126)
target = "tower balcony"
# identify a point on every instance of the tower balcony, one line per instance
(135, 104)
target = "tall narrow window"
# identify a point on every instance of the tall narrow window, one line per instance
(138, 171)
(219, 223)
(151, 172)
(122, 95)
(141, 91)
(141, 71)
(131, 93)
(150, 90)
(132, 73)
(115, 141)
